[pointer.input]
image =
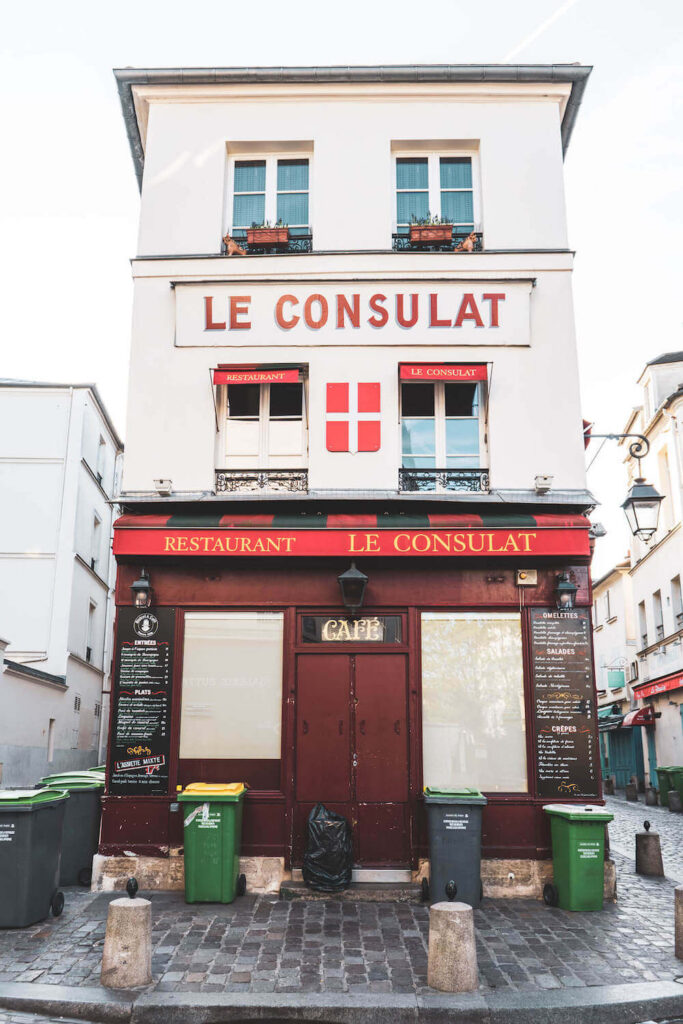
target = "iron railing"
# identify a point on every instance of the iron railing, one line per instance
(464, 480)
(403, 243)
(245, 481)
(296, 243)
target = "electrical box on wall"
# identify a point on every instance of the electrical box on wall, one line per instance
(526, 578)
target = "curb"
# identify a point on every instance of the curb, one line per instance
(601, 1004)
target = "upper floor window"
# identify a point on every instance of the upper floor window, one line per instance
(442, 435)
(677, 602)
(270, 190)
(437, 188)
(265, 426)
(658, 614)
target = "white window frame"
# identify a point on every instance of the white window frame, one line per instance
(439, 418)
(271, 192)
(434, 189)
(677, 602)
(229, 460)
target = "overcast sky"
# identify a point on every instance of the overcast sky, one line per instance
(69, 200)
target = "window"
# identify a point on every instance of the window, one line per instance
(435, 186)
(51, 741)
(658, 615)
(441, 428)
(473, 720)
(265, 426)
(270, 189)
(232, 685)
(77, 703)
(90, 632)
(677, 602)
(634, 670)
(642, 622)
(596, 613)
(95, 542)
(101, 454)
(608, 608)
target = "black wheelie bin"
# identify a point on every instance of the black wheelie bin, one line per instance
(31, 826)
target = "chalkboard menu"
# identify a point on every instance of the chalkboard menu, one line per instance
(141, 732)
(564, 704)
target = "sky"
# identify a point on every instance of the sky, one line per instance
(69, 200)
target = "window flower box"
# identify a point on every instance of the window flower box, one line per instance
(431, 233)
(267, 236)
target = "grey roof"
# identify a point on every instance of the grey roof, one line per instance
(11, 382)
(35, 673)
(668, 357)
(126, 78)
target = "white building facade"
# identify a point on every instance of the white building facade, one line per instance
(353, 340)
(59, 469)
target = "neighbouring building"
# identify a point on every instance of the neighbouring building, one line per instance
(353, 366)
(59, 468)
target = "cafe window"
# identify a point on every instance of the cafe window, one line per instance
(441, 425)
(232, 685)
(473, 713)
(265, 426)
(270, 190)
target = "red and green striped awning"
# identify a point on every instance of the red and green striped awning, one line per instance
(380, 534)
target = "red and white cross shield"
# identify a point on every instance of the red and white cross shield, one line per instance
(353, 417)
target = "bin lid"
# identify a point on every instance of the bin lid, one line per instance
(74, 780)
(578, 812)
(212, 791)
(462, 795)
(14, 797)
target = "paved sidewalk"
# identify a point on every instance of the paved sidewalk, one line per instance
(629, 818)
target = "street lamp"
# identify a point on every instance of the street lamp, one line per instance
(641, 506)
(352, 584)
(565, 592)
(142, 590)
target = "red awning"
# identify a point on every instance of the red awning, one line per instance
(442, 371)
(655, 686)
(395, 534)
(256, 374)
(641, 716)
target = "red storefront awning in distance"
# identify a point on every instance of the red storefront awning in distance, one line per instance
(394, 534)
(256, 373)
(661, 685)
(641, 716)
(442, 371)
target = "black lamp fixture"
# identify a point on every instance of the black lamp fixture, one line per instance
(142, 590)
(642, 503)
(565, 592)
(352, 584)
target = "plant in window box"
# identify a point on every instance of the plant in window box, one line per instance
(430, 229)
(268, 234)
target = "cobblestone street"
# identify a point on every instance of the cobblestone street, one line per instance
(628, 820)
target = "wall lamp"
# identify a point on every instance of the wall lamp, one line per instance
(352, 584)
(565, 592)
(142, 590)
(642, 503)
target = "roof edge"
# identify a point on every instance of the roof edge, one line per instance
(126, 78)
(8, 382)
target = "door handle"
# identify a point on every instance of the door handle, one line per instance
(362, 727)
(397, 726)
(304, 727)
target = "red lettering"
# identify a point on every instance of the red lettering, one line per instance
(382, 316)
(400, 313)
(434, 313)
(209, 323)
(286, 325)
(344, 309)
(494, 298)
(239, 306)
(468, 303)
(308, 316)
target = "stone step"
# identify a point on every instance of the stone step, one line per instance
(370, 892)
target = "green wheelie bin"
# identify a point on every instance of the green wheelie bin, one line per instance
(578, 836)
(666, 782)
(31, 826)
(676, 779)
(212, 837)
(81, 823)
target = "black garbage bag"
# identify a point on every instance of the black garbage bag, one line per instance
(328, 860)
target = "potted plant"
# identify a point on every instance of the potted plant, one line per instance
(268, 234)
(430, 229)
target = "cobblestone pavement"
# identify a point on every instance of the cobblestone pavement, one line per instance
(629, 818)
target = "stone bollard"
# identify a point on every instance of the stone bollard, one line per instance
(651, 796)
(678, 921)
(452, 963)
(648, 853)
(631, 792)
(675, 803)
(608, 787)
(127, 954)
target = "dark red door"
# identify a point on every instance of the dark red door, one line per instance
(352, 751)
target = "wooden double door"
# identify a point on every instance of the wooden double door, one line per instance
(352, 751)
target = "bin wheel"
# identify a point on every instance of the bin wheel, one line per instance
(551, 897)
(241, 887)
(425, 890)
(85, 877)
(57, 903)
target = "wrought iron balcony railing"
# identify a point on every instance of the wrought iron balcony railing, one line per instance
(444, 480)
(402, 242)
(248, 481)
(295, 243)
